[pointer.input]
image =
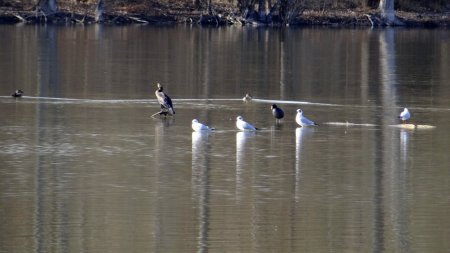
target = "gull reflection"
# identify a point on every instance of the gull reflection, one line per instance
(200, 181)
(199, 158)
(301, 135)
(241, 139)
(404, 140)
(400, 188)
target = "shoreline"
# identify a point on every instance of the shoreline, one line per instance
(330, 18)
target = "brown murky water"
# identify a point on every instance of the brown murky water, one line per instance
(84, 168)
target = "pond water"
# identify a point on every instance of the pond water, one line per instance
(85, 168)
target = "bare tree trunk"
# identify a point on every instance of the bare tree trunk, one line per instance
(99, 11)
(387, 12)
(209, 7)
(46, 6)
(262, 10)
(289, 9)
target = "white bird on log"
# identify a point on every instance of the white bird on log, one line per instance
(405, 115)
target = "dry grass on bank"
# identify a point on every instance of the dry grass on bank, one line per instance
(143, 6)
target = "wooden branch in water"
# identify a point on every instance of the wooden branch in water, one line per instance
(39, 10)
(80, 21)
(138, 20)
(369, 17)
(377, 20)
(20, 17)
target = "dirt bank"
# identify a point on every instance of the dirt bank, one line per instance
(169, 15)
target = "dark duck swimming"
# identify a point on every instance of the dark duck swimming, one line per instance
(165, 101)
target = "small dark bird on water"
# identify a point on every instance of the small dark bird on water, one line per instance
(164, 101)
(277, 113)
(17, 94)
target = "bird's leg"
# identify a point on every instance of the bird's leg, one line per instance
(160, 113)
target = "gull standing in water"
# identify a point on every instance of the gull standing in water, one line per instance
(302, 120)
(277, 113)
(164, 101)
(405, 115)
(244, 126)
(198, 127)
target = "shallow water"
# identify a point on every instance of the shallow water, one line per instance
(84, 168)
